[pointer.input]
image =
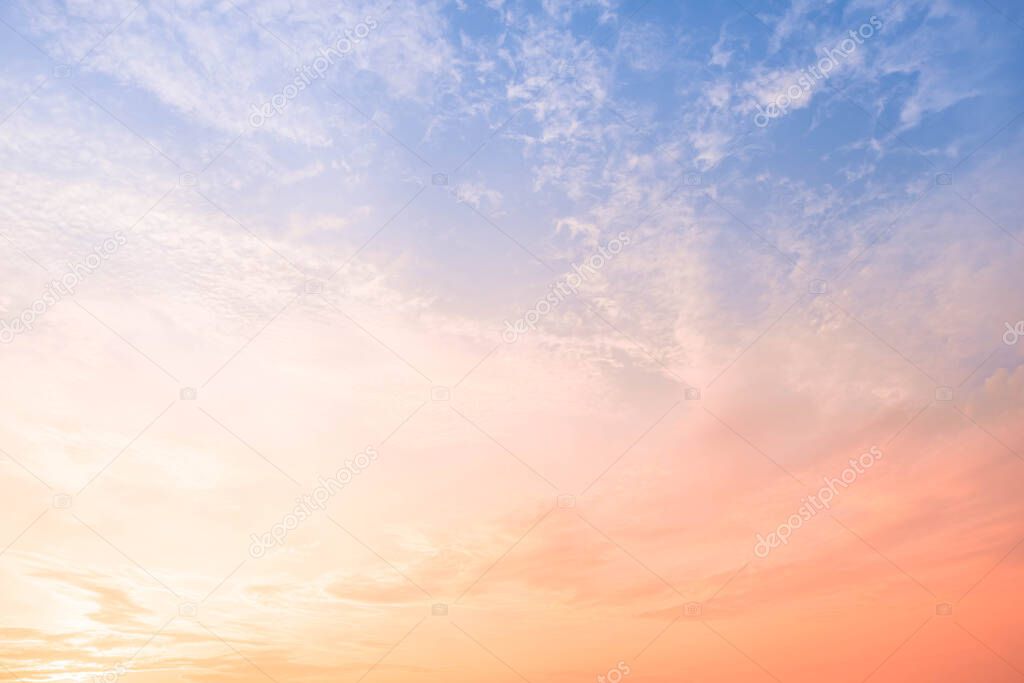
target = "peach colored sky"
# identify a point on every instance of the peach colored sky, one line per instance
(277, 304)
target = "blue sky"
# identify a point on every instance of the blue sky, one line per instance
(711, 250)
(556, 124)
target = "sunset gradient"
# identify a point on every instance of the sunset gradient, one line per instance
(511, 340)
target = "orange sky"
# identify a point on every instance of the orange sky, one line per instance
(279, 430)
(461, 507)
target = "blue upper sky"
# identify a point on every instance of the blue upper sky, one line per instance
(555, 124)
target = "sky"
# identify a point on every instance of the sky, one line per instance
(511, 340)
